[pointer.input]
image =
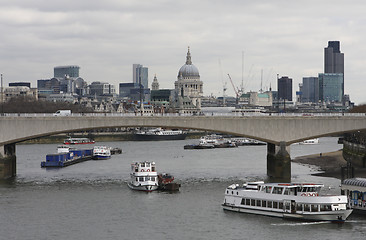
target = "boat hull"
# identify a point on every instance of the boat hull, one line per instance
(101, 157)
(143, 187)
(333, 216)
(148, 137)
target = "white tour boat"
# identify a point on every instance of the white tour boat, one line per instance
(143, 176)
(286, 200)
(310, 141)
(72, 141)
(159, 134)
(101, 152)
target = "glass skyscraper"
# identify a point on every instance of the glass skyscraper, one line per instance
(140, 75)
(334, 63)
(331, 87)
(62, 71)
(310, 89)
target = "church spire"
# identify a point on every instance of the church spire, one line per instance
(189, 60)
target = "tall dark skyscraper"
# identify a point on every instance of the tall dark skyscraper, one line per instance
(333, 58)
(284, 85)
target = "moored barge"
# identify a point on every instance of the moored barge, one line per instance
(63, 159)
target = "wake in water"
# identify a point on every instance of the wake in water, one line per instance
(300, 223)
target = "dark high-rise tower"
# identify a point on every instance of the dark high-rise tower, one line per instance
(334, 60)
(284, 85)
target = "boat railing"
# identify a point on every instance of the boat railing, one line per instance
(359, 203)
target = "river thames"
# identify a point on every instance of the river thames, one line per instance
(91, 200)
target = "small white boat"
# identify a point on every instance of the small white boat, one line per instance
(310, 141)
(159, 134)
(293, 201)
(72, 141)
(101, 152)
(143, 176)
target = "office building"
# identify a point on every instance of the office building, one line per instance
(331, 87)
(101, 89)
(334, 60)
(61, 71)
(140, 75)
(284, 87)
(310, 90)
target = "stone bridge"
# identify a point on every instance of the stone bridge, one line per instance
(278, 131)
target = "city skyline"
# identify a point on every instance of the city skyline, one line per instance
(105, 39)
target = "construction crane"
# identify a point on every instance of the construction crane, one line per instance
(236, 90)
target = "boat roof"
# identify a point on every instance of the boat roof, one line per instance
(361, 182)
(136, 163)
(290, 185)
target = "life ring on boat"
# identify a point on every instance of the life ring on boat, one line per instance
(303, 194)
(142, 170)
(148, 170)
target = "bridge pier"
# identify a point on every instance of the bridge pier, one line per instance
(278, 162)
(7, 161)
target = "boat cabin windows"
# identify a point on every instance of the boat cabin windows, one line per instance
(266, 189)
(325, 208)
(309, 189)
(277, 190)
(147, 164)
(142, 164)
(314, 208)
(141, 179)
(290, 191)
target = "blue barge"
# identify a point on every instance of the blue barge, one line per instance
(67, 158)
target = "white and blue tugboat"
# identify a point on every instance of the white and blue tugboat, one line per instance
(286, 200)
(101, 152)
(144, 176)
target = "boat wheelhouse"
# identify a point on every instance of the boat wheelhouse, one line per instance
(143, 176)
(101, 152)
(355, 189)
(293, 201)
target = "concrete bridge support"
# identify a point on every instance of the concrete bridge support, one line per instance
(7, 161)
(278, 162)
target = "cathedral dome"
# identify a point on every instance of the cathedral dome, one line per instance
(188, 69)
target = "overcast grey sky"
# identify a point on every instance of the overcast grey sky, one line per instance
(106, 37)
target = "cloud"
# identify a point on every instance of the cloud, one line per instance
(106, 38)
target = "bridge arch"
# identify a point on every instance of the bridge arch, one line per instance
(278, 131)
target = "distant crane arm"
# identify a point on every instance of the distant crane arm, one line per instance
(236, 92)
